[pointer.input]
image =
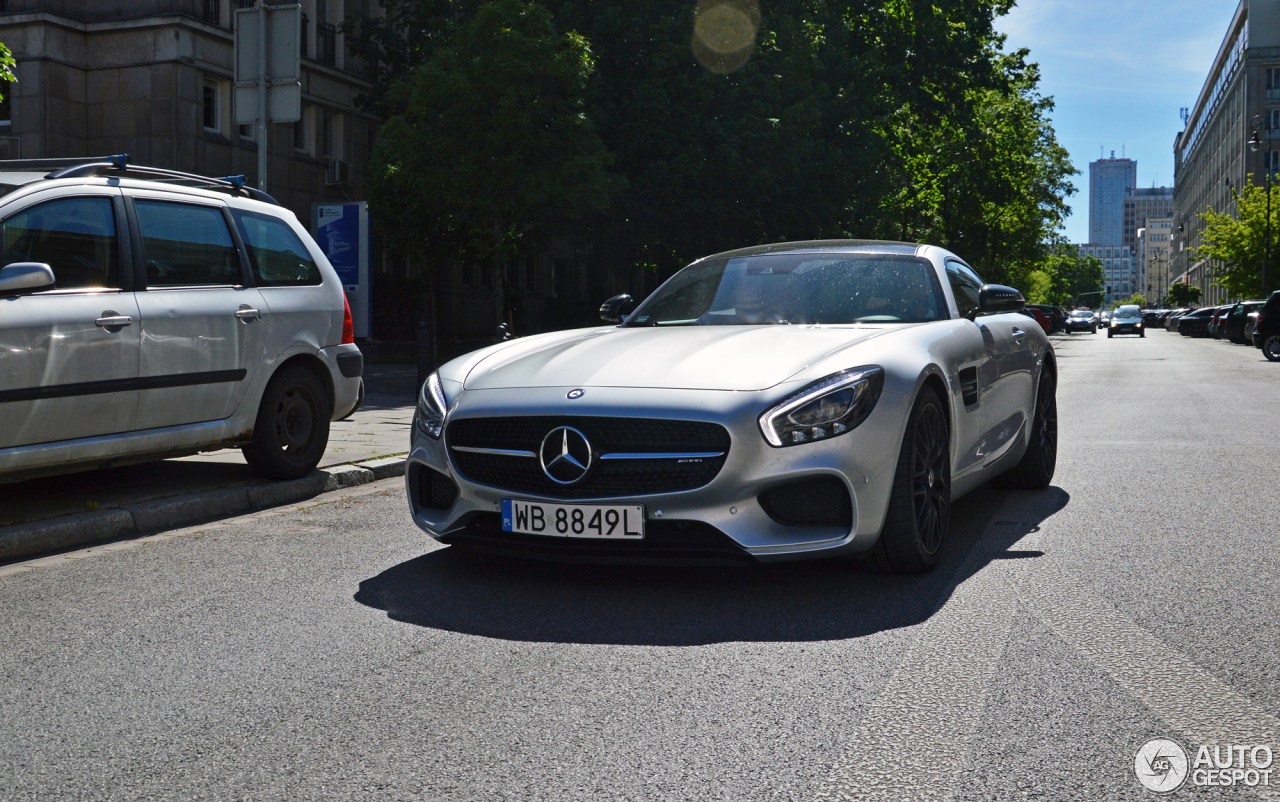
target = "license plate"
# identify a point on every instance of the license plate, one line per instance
(612, 522)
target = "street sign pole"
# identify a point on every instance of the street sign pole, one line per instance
(268, 71)
(263, 82)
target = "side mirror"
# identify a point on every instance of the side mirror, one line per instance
(616, 308)
(25, 276)
(994, 299)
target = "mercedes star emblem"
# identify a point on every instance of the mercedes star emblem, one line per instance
(575, 394)
(565, 455)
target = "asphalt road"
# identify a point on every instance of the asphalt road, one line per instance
(334, 652)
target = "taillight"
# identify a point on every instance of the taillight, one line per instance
(348, 326)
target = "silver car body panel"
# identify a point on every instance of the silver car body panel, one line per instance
(174, 331)
(729, 375)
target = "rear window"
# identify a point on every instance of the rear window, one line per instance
(276, 254)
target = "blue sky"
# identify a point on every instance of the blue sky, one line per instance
(1119, 70)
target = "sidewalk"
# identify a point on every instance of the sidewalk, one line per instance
(206, 484)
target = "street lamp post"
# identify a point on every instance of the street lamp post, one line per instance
(1259, 124)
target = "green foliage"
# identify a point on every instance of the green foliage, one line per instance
(1137, 298)
(849, 118)
(1063, 276)
(1039, 286)
(1181, 294)
(6, 67)
(1236, 245)
(491, 152)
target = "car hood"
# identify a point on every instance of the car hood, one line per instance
(687, 357)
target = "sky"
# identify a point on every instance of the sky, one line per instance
(1119, 71)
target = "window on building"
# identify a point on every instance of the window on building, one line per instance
(248, 132)
(1273, 77)
(211, 107)
(6, 109)
(1274, 122)
(328, 132)
(300, 132)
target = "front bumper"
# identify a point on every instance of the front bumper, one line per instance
(1126, 329)
(727, 508)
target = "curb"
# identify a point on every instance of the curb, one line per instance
(34, 539)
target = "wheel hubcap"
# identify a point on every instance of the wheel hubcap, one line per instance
(931, 479)
(1273, 346)
(295, 420)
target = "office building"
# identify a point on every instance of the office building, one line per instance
(1212, 158)
(1153, 249)
(1109, 181)
(1141, 204)
(1120, 268)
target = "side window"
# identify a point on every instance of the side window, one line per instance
(74, 236)
(278, 257)
(965, 284)
(186, 245)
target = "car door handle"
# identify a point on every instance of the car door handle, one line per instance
(110, 320)
(1018, 334)
(247, 313)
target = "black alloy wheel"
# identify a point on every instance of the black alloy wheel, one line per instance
(1271, 347)
(1036, 468)
(292, 428)
(919, 515)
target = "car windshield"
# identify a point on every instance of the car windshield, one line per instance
(797, 288)
(1082, 315)
(1127, 313)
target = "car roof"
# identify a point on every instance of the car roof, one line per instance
(823, 246)
(16, 174)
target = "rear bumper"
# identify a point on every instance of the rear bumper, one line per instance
(341, 361)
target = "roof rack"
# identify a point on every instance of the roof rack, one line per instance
(118, 167)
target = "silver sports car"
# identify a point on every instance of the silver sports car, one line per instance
(788, 401)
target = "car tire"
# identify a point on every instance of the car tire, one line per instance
(1110, 334)
(916, 524)
(292, 428)
(1271, 347)
(1036, 468)
(1143, 334)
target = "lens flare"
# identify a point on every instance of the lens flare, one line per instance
(724, 33)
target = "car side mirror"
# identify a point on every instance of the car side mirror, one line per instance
(25, 276)
(994, 299)
(616, 308)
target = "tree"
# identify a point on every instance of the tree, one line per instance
(6, 70)
(1063, 277)
(492, 153)
(1236, 246)
(1182, 294)
(1137, 299)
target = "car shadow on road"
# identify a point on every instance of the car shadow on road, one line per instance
(455, 591)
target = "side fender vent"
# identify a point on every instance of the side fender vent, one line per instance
(969, 386)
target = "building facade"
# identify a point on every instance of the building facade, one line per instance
(1109, 181)
(1212, 158)
(1141, 204)
(1154, 241)
(1120, 268)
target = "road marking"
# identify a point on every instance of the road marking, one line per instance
(915, 740)
(379, 486)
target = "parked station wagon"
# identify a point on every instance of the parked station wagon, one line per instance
(147, 314)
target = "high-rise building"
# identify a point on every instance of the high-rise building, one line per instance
(1211, 156)
(1120, 269)
(1109, 180)
(1140, 204)
(1153, 248)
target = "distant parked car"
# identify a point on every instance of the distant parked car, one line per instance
(1249, 327)
(1149, 318)
(1103, 319)
(1037, 316)
(1054, 315)
(1219, 317)
(1266, 334)
(1126, 320)
(1171, 322)
(1238, 321)
(1082, 320)
(1196, 324)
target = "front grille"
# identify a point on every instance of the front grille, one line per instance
(819, 501)
(607, 478)
(690, 542)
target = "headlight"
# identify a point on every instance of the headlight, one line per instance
(1113, 325)
(827, 408)
(1139, 325)
(432, 407)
